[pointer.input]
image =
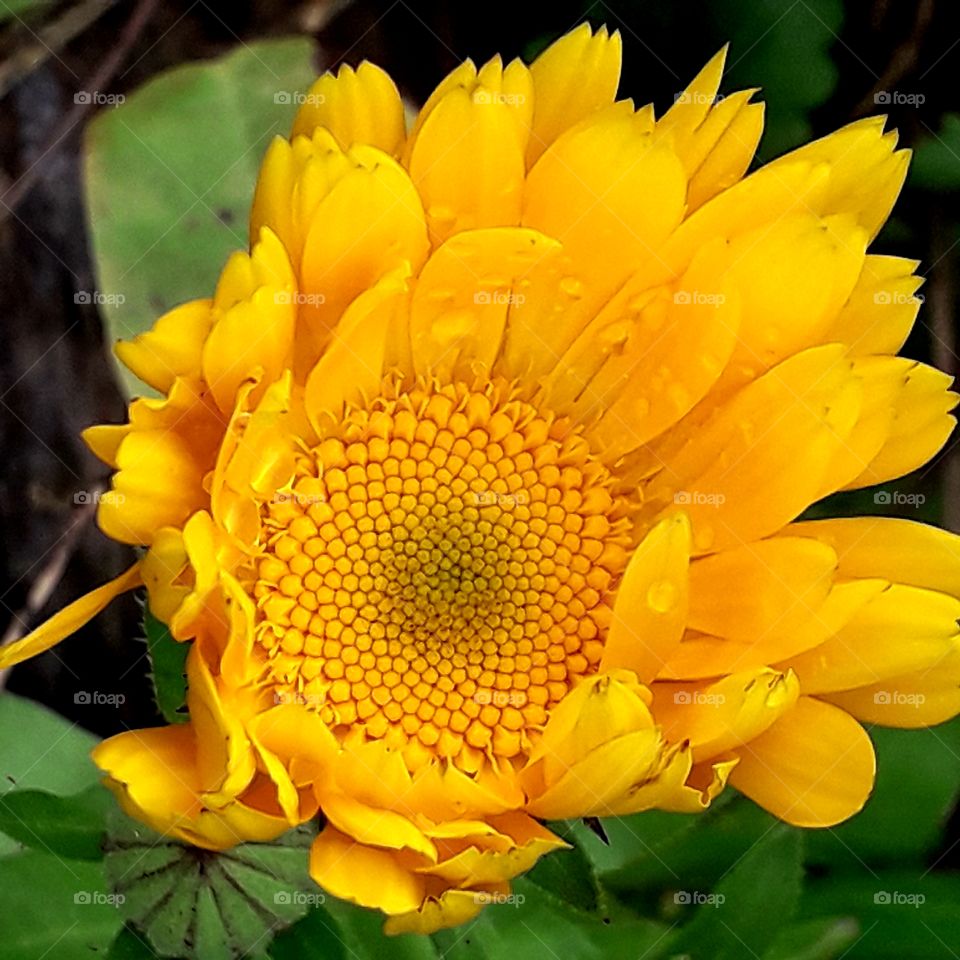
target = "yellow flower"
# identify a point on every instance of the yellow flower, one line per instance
(474, 485)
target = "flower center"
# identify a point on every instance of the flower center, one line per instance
(439, 572)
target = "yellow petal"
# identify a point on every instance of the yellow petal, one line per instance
(610, 194)
(356, 106)
(761, 458)
(352, 368)
(813, 768)
(450, 909)
(881, 309)
(68, 620)
(171, 348)
(375, 827)
(468, 291)
(866, 173)
(716, 717)
(364, 875)
(901, 551)
(921, 426)
(901, 630)
(575, 76)
(752, 592)
(370, 222)
(256, 326)
(920, 699)
(650, 611)
(466, 158)
(162, 566)
(650, 354)
(705, 782)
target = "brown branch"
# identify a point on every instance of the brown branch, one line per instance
(98, 81)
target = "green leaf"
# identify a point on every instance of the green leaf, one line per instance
(10, 9)
(903, 914)
(130, 945)
(204, 904)
(53, 908)
(814, 940)
(169, 176)
(364, 939)
(746, 910)
(567, 874)
(70, 827)
(784, 48)
(535, 925)
(168, 663)
(694, 853)
(936, 158)
(47, 753)
(316, 937)
(918, 780)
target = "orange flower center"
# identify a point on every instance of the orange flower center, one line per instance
(439, 572)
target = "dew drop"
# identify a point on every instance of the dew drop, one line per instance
(662, 596)
(572, 287)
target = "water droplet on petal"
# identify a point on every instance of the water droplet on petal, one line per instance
(572, 287)
(662, 596)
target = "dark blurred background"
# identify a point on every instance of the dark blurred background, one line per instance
(821, 63)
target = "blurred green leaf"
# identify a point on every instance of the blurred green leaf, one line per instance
(10, 9)
(69, 827)
(691, 858)
(567, 874)
(918, 780)
(316, 937)
(783, 47)
(55, 909)
(129, 945)
(47, 753)
(896, 923)
(536, 925)
(169, 176)
(364, 939)
(814, 940)
(207, 904)
(168, 669)
(936, 158)
(746, 910)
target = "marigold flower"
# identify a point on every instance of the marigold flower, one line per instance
(474, 486)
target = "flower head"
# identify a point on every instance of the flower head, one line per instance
(474, 485)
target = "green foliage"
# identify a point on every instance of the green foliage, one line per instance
(170, 172)
(168, 666)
